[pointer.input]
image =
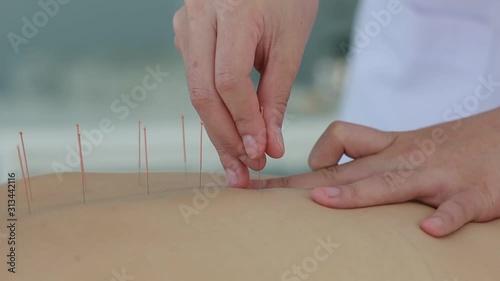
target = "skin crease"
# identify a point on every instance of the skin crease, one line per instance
(221, 41)
(452, 166)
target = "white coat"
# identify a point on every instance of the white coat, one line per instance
(415, 63)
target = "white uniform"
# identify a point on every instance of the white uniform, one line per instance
(415, 63)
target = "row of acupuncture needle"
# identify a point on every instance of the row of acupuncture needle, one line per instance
(26, 176)
(142, 135)
(145, 137)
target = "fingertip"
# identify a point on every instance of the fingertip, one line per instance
(434, 226)
(231, 178)
(261, 163)
(313, 162)
(276, 144)
(237, 174)
(241, 179)
(255, 164)
(274, 152)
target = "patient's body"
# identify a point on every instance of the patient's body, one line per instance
(212, 233)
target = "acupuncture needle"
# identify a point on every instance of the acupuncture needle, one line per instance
(260, 159)
(24, 178)
(139, 170)
(26, 163)
(146, 155)
(82, 167)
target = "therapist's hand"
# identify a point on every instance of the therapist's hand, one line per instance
(221, 41)
(453, 166)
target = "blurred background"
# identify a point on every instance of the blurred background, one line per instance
(79, 61)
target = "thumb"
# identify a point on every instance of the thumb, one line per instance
(453, 214)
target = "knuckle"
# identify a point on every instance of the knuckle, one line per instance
(242, 122)
(226, 81)
(226, 146)
(330, 173)
(178, 20)
(280, 105)
(278, 182)
(198, 13)
(462, 209)
(488, 200)
(194, 4)
(337, 129)
(312, 162)
(200, 97)
(284, 181)
(353, 190)
(390, 180)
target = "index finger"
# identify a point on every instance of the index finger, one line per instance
(200, 65)
(237, 40)
(338, 174)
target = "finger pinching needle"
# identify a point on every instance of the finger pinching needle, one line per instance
(260, 159)
(24, 178)
(82, 167)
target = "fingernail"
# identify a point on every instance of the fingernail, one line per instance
(250, 146)
(435, 222)
(232, 179)
(331, 192)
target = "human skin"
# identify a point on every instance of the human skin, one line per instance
(451, 166)
(221, 41)
(183, 232)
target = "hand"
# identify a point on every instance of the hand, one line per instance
(221, 41)
(453, 166)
